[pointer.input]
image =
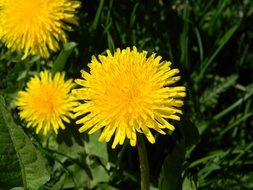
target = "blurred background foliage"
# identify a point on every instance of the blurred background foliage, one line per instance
(211, 42)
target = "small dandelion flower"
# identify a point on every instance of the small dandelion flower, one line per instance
(36, 26)
(46, 102)
(126, 93)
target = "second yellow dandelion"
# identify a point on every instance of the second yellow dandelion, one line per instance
(46, 102)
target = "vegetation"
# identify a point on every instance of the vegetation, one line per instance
(211, 147)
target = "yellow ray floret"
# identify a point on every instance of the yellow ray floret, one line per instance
(46, 102)
(36, 26)
(127, 93)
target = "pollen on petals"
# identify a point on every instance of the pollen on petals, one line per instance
(126, 93)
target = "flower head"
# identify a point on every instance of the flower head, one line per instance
(36, 26)
(126, 93)
(46, 102)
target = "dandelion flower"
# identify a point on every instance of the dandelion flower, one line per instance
(46, 102)
(126, 93)
(36, 26)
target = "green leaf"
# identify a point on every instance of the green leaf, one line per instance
(220, 44)
(105, 187)
(188, 184)
(190, 133)
(93, 147)
(184, 36)
(98, 14)
(20, 163)
(62, 58)
(99, 175)
(249, 93)
(211, 94)
(170, 176)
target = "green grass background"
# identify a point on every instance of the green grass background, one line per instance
(211, 42)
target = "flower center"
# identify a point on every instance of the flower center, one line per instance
(45, 102)
(130, 95)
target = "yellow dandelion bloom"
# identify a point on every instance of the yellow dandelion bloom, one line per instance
(46, 102)
(126, 93)
(36, 26)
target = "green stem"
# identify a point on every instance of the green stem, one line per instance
(144, 167)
